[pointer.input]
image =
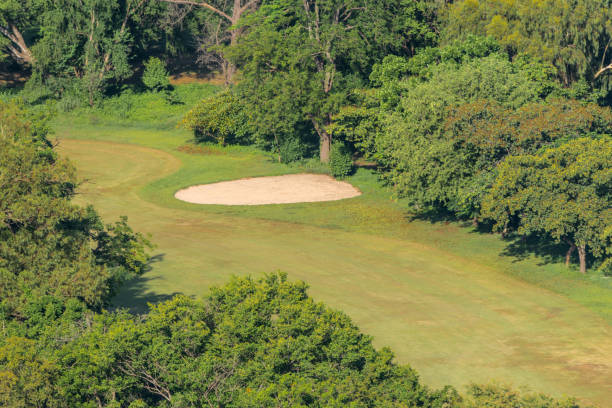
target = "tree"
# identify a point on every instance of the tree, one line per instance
(155, 75)
(563, 192)
(219, 118)
(15, 18)
(49, 246)
(225, 30)
(305, 57)
(26, 377)
(481, 134)
(86, 45)
(412, 148)
(573, 35)
(251, 343)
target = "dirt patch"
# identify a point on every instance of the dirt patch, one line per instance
(293, 188)
(12, 79)
(182, 78)
(203, 150)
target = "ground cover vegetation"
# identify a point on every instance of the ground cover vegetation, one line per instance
(496, 112)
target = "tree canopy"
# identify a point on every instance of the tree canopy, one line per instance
(573, 35)
(563, 192)
(48, 245)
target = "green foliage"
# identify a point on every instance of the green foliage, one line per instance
(251, 343)
(155, 75)
(26, 377)
(18, 20)
(501, 396)
(291, 150)
(117, 246)
(150, 110)
(411, 144)
(570, 34)
(46, 241)
(459, 52)
(299, 61)
(86, 46)
(220, 118)
(481, 134)
(340, 160)
(563, 193)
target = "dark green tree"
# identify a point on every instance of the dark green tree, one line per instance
(87, 45)
(563, 193)
(48, 245)
(17, 19)
(252, 343)
(300, 60)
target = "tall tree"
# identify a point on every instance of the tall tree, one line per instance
(15, 18)
(563, 192)
(48, 245)
(418, 157)
(87, 45)
(224, 28)
(307, 56)
(574, 35)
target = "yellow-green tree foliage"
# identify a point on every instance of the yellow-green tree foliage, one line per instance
(571, 34)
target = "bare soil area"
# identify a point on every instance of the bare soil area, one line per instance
(292, 188)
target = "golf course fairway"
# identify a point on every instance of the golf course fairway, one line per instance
(442, 298)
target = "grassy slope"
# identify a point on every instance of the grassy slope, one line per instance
(440, 295)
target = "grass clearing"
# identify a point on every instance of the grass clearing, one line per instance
(440, 295)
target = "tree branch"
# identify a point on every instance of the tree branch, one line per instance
(20, 51)
(247, 6)
(202, 4)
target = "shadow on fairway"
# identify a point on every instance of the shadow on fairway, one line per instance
(135, 294)
(547, 251)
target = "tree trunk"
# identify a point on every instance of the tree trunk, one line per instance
(238, 10)
(325, 146)
(568, 255)
(325, 140)
(229, 69)
(582, 256)
(19, 50)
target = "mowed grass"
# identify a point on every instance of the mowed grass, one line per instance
(440, 295)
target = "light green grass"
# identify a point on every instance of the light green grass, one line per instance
(438, 294)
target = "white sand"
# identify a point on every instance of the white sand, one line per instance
(293, 188)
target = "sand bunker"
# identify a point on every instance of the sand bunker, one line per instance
(293, 188)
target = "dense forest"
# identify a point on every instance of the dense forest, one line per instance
(495, 112)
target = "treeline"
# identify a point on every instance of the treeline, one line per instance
(494, 112)
(251, 343)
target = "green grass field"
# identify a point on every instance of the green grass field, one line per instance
(442, 296)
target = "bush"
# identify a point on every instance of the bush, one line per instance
(291, 150)
(340, 160)
(219, 118)
(155, 76)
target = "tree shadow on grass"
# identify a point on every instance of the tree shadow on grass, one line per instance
(545, 249)
(436, 216)
(135, 295)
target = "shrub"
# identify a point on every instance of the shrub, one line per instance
(291, 150)
(340, 160)
(155, 76)
(219, 118)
